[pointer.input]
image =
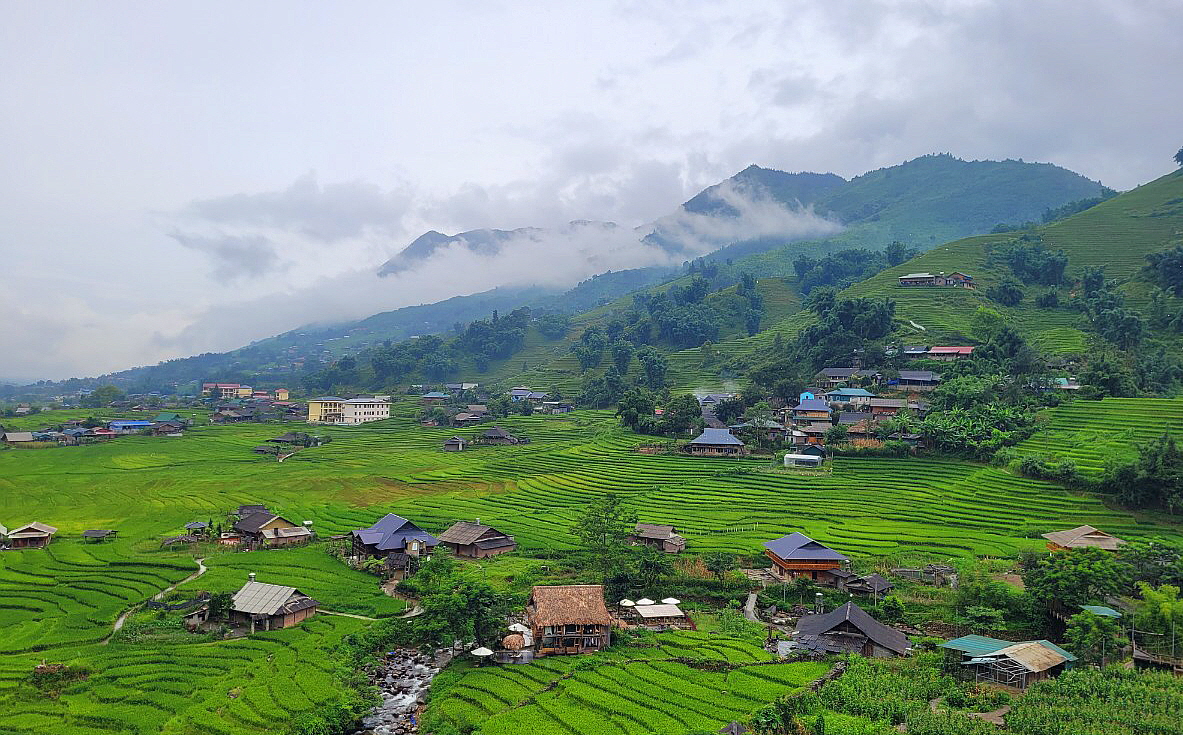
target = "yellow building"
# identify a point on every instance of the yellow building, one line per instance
(281, 394)
(327, 410)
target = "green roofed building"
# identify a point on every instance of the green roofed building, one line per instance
(1105, 612)
(1005, 662)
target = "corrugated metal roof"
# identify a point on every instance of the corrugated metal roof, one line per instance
(976, 645)
(716, 436)
(659, 611)
(260, 598)
(1033, 655)
(1101, 610)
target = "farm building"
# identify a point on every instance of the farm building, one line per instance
(567, 619)
(393, 534)
(1005, 662)
(955, 279)
(99, 535)
(18, 437)
(476, 540)
(270, 606)
(810, 410)
(466, 419)
(455, 444)
(123, 426)
(948, 354)
(497, 435)
(797, 555)
(660, 616)
(849, 629)
(658, 536)
(197, 528)
(35, 535)
(772, 430)
(716, 443)
(803, 460)
(434, 398)
(267, 529)
(1080, 537)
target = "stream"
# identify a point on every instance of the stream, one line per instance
(402, 681)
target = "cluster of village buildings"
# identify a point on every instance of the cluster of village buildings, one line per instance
(72, 432)
(574, 619)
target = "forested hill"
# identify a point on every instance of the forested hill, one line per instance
(927, 200)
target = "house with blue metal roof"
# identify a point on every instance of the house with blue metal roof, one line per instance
(716, 443)
(393, 534)
(856, 396)
(797, 555)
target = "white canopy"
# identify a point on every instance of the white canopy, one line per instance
(644, 601)
(482, 651)
(671, 601)
(519, 628)
(627, 603)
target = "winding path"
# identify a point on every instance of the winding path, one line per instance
(119, 621)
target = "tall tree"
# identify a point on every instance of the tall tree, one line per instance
(604, 529)
(1070, 579)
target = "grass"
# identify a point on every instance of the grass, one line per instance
(651, 685)
(58, 604)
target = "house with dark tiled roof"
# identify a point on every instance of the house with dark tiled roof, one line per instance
(476, 540)
(659, 536)
(849, 629)
(918, 380)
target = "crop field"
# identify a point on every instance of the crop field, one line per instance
(631, 690)
(59, 604)
(1090, 433)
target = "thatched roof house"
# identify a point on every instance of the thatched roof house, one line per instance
(570, 618)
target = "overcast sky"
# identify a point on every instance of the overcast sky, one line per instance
(186, 177)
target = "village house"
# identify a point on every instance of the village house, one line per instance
(392, 533)
(956, 279)
(35, 535)
(661, 537)
(270, 606)
(797, 555)
(1017, 665)
(476, 540)
(913, 352)
(852, 396)
(434, 398)
(569, 619)
(836, 377)
(497, 435)
(763, 428)
(848, 629)
(850, 418)
(458, 387)
(810, 411)
(716, 443)
(918, 380)
(556, 407)
(873, 585)
(477, 409)
(949, 354)
(18, 438)
(1081, 537)
(466, 419)
(455, 444)
(98, 535)
(267, 529)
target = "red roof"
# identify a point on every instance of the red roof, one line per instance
(950, 350)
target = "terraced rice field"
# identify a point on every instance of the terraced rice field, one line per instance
(1091, 433)
(631, 691)
(59, 604)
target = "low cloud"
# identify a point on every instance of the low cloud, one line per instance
(233, 256)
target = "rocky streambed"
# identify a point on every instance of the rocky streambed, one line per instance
(402, 681)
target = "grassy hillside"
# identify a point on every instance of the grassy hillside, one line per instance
(1117, 234)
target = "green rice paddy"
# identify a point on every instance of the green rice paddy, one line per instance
(59, 604)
